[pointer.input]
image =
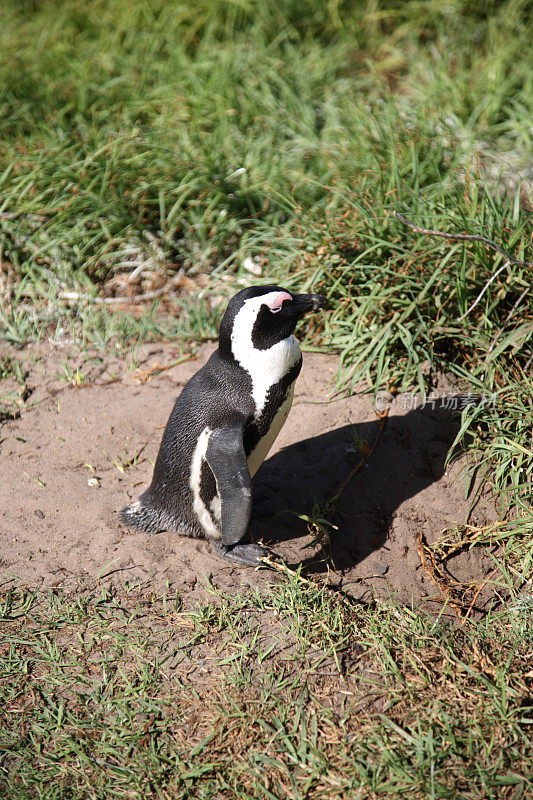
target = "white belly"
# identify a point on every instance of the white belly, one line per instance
(258, 455)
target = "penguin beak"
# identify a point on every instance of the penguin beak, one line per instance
(304, 303)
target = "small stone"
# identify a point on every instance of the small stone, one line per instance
(381, 569)
(39, 513)
(94, 481)
(251, 265)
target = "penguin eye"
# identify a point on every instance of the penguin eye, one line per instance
(277, 305)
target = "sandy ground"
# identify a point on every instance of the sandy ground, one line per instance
(77, 455)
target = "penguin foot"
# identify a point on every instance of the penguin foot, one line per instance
(248, 555)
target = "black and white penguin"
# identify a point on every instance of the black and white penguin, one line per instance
(224, 423)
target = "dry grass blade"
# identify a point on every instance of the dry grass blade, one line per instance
(143, 375)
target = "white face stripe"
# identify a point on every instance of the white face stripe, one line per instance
(265, 367)
(204, 517)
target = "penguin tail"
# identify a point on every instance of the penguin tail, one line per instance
(140, 516)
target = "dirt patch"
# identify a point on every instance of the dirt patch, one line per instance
(82, 449)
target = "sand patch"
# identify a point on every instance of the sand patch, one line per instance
(77, 455)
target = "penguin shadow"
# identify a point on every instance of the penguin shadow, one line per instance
(301, 478)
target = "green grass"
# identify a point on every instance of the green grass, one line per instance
(144, 143)
(16, 392)
(214, 129)
(293, 691)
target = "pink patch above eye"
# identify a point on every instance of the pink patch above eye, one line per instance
(277, 301)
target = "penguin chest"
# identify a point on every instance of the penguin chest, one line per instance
(268, 426)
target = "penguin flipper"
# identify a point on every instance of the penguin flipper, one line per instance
(227, 460)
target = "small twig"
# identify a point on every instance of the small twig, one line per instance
(137, 298)
(465, 237)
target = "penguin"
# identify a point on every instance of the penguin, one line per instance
(224, 423)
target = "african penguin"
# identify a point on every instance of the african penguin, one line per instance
(224, 423)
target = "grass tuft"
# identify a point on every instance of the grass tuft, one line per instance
(289, 691)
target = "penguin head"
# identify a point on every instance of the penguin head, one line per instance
(264, 316)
